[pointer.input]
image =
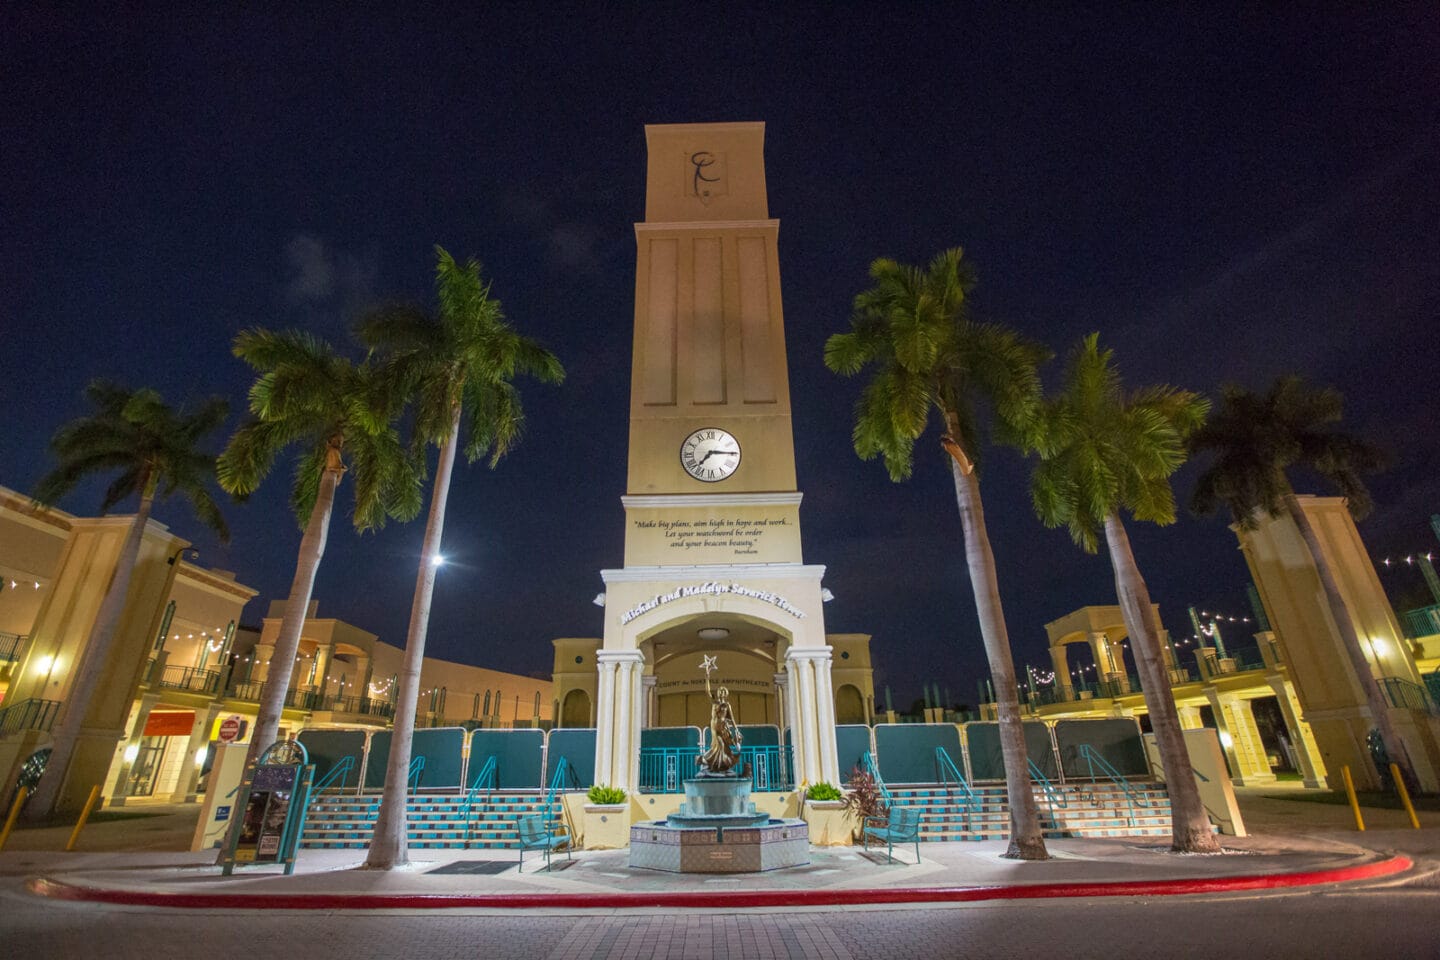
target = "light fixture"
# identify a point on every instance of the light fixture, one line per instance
(131, 752)
(712, 633)
(825, 595)
(437, 561)
(599, 600)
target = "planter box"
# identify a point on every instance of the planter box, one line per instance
(607, 826)
(830, 825)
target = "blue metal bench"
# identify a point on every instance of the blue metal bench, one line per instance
(902, 827)
(538, 833)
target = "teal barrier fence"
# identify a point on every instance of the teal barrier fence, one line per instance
(987, 761)
(852, 742)
(575, 745)
(905, 753)
(328, 749)
(1117, 740)
(759, 735)
(442, 750)
(519, 756)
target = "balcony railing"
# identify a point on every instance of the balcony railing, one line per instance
(11, 645)
(32, 714)
(190, 679)
(665, 769)
(1421, 622)
(1406, 695)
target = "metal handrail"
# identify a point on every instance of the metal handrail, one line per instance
(1406, 695)
(1056, 798)
(417, 767)
(1093, 758)
(484, 780)
(868, 764)
(946, 766)
(341, 769)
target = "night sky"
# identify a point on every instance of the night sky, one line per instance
(1224, 196)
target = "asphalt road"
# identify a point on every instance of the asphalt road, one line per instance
(1384, 921)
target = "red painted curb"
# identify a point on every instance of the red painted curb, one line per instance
(60, 890)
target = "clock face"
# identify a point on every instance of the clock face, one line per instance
(710, 454)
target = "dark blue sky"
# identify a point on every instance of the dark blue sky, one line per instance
(1223, 195)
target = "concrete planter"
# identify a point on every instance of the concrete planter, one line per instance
(830, 825)
(607, 826)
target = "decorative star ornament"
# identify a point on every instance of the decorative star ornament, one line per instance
(708, 664)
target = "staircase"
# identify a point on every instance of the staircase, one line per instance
(340, 821)
(1072, 810)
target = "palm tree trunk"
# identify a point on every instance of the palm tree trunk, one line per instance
(1349, 639)
(307, 564)
(1026, 841)
(388, 843)
(282, 659)
(1190, 825)
(92, 667)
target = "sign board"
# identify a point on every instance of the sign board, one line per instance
(229, 729)
(271, 808)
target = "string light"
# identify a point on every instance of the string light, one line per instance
(1409, 560)
(1221, 616)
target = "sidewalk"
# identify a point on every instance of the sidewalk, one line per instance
(137, 862)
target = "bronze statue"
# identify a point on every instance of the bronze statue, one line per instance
(724, 751)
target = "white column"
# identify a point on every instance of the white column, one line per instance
(809, 768)
(825, 718)
(637, 698)
(782, 716)
(652, 700)
(604, 718)
(792, 718)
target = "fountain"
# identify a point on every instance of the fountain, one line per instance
(717, 829)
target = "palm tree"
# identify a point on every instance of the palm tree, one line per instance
(458, 365)
(913, 327)
(1255, 438)
(338, 417)
(1105, 451)
(154, 449)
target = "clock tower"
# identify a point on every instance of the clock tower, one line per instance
(712, 525)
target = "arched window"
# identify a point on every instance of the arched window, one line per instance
(537, 704)
(487, 703)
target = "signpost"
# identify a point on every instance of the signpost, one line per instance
(229, 729)
(273, 797)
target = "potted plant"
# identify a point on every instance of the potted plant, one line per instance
(825, 814)
(607, 818)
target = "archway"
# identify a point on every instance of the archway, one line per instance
(746, 653)
(576, 710)
(849, 705)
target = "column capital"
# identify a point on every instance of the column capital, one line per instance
(809, 653)
(781, 679)
(649, 680)
(620, 656)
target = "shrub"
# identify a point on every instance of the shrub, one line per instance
(864, 799)
(823, 791)
(599, 793)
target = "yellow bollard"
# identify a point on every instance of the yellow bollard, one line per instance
(1404, 795)
(14, 815)
(84, 815)
(1354, 803)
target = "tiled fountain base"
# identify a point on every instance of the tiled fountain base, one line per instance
(780, 843)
